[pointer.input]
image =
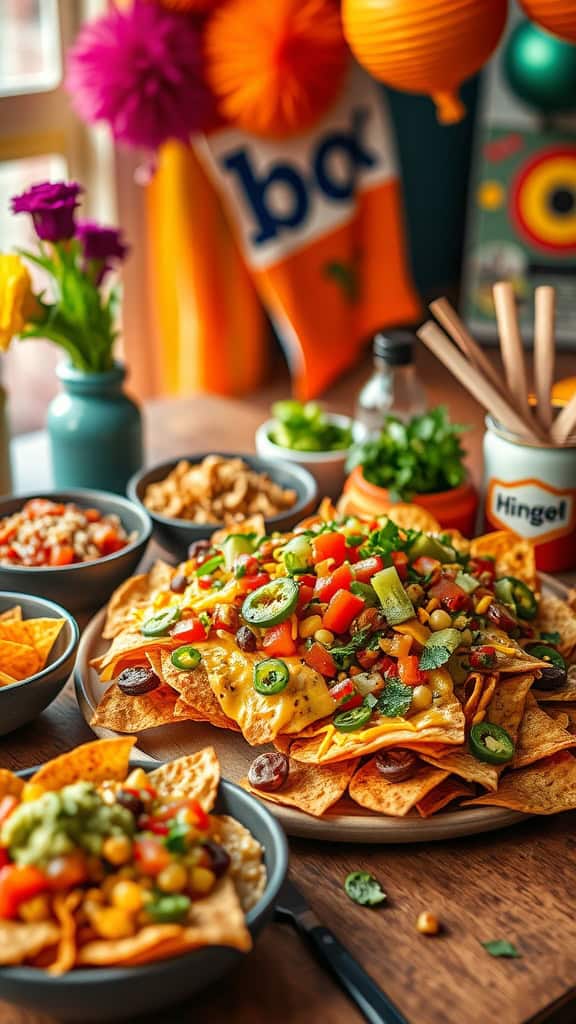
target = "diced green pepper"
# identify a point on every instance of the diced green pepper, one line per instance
(396, 604)
(467, 582)
(297, 554)
(432, 548)
(236, 544)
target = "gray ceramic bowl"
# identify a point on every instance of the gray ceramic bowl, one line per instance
(21, 702)
(122, 993)
(177, 534)
(86, 585)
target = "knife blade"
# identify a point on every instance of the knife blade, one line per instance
(373, 1003)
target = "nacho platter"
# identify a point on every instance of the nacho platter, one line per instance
(372, 810)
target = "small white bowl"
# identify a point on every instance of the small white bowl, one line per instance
(328, 468)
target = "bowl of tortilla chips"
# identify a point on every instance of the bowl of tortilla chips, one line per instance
(92, 925)
(38, 644)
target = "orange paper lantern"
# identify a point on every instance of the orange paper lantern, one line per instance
(427, 46)
(557, 16)
(275, 65)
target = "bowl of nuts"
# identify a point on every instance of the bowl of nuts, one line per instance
(191, 497)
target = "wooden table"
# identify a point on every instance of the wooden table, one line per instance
(516, 884)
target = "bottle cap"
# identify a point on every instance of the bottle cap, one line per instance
(395, 347)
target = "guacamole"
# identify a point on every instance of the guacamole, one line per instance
(57, 823)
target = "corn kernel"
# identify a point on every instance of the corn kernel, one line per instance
(483, 604)
(427, 923)
(112, 923)
(270, 567)
(117, 850)
(172, 878)
(309, 626)
(136, 780)
(202, 880)
(127, 896)
(35, 909)
(31, 791)
(161, 600)
(324, 636)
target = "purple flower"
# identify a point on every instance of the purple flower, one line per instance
(101, 245)
(52, 206)
(140, 69)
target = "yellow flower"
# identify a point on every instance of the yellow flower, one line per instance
(18, 304)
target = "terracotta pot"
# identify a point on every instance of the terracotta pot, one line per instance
(455, 509)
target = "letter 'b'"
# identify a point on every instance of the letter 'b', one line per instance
(256, 189)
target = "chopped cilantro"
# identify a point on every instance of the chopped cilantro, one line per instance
(364, 889)
(395, 699)
(345, 652)
(439, 647)
(501, 947)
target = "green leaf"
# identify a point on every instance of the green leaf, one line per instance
(439, 647)
(501, 948)
(395, 699)
(364, 889)
(177, 839)
(345, 652)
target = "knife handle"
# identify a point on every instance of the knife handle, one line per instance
(369, 998)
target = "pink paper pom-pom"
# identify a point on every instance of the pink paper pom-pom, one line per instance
(140, 69)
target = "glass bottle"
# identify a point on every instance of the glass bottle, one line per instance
(394, 389)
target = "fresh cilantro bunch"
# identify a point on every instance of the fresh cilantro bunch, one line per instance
(423, 456)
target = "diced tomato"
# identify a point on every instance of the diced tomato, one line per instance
(346, 694)
(426, 565)
(330, 545)
(478, 566)
(409, 672)
(36, 508)
(19, 882)
(188, 631)
(321, 660)
(451, 596)
(7, 805)
(386, 665)
(189, 809)
(149, 823)
(4, 857)
(343, 608)
(7, 534)
(307, 579)
(205, 582)
(249, 583)
(150, 855)
(226, 617)
(245, 565)
(483, 657)
(305, 595)
(61, 554)
(92, 515)
(326, 586)
(278, 642)
(400, 563)
(107, 540)
(365, 570)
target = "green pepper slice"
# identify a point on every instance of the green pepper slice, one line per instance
(349, 721)
(171, 907)
(159, 624)
(545, 652)
(210, 566)
(271, 676)
(186, 657)
(272, 603)
(491, 743)
(523, 598)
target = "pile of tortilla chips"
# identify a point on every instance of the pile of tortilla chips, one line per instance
(61, 943)
(25, 644)
(330, 771)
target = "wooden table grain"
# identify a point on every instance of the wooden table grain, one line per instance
(516, 884)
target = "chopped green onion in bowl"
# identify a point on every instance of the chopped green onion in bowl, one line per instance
(305, 427)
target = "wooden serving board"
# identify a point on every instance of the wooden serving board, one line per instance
(346, 822)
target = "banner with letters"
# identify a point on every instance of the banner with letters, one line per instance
(319, 221)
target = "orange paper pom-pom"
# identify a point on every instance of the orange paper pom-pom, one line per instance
(275, 65)
(557, 16)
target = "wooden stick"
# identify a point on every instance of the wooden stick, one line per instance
(544, 341)
(448, 317)
(565, 422)
(511, 347)
(481, 389)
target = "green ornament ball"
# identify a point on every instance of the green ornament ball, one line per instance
(541, 68)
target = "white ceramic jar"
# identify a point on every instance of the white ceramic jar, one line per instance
(531, 490)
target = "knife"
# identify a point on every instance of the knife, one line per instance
(372, 1002)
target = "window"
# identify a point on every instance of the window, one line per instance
(41, 139)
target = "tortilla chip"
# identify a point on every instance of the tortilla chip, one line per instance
(133, 593)
(122, 713)
(185, 712)
(328, 746)
(196, 775)
(247, 869)
(540, 736)
(311, 788)
(514, 556)
(43, 634)
(11, 613)
(6, 680)
(102, 952)
(567, 693)
(444, 793)
(98, 761)
(20, 942)
(547, 787)
(253, 524)
(196, 692)
(18, 660)
(283, 743)
(561, 718)
(64, 906)
(370, 789)
(413, 517)
(556, 616)
(465, 765)
(10, 784)
(129, 647)
(154, 658)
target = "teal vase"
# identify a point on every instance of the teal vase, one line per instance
(95, 430)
